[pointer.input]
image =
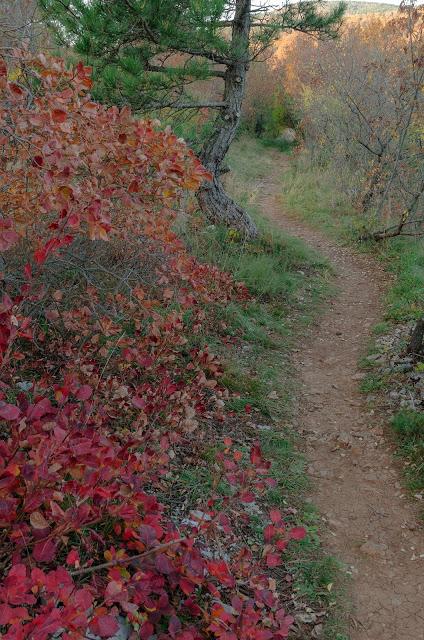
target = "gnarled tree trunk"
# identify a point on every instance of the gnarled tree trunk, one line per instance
(215, 203)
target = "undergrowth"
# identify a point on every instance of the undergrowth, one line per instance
(311, 192)
(110, 397)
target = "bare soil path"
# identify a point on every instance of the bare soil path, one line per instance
(372, 525)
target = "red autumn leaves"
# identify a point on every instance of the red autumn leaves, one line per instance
(80, 161)
(100, 390)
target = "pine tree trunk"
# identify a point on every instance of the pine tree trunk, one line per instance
(212, 197)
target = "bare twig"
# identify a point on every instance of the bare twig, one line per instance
(123, 561)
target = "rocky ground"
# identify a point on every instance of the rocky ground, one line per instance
(401, 375)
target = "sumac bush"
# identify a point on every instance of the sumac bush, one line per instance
(100, 384)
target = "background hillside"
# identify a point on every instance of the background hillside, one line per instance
(360, 8)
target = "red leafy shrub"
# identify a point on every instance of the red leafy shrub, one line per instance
(74, 167)
(100, 384)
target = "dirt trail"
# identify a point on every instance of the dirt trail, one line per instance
(372, 525)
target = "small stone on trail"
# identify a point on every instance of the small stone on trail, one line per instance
(317, 632)
(370, 548)
(345, 439)
(327, 474)
(375, 357)
(196, 517)
(306, 618)
(371, 476)
(264, 427)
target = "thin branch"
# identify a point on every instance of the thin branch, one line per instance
(209, 55)
(122, 561)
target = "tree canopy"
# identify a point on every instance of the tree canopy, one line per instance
(149, 54)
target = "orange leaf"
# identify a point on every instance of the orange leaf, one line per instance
(66, 192)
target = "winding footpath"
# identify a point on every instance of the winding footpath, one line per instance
(371, 525)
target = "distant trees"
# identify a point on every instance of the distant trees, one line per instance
(267, 108)
(18, 23)
(149, 54)
(362, 102)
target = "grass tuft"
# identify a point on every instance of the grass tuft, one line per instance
(409, 429)
(272, 267)
(276, 143)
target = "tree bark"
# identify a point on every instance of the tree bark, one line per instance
(375, 179)
(213, 200)
(416, 344)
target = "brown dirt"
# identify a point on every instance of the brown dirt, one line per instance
(371, 522)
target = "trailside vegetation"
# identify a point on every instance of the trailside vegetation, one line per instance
(101, 390)
(361, 106)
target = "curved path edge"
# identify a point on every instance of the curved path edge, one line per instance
(371, 524)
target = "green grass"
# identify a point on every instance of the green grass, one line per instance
(284, 279)
(271, 266)
(373, 382)
(250, 164)
(381, 328)
(405, 259)
(281, 145)
(311, 192)
(409, 429)
(318, 578)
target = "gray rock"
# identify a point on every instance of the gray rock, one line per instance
(264, 427)
(345, 439)
(196, 518)
(359, 376)
(288, 135)
(24, 385)
(402, 368)
(375, 357)
(403, 360)
(306, 618)
(318, 631)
